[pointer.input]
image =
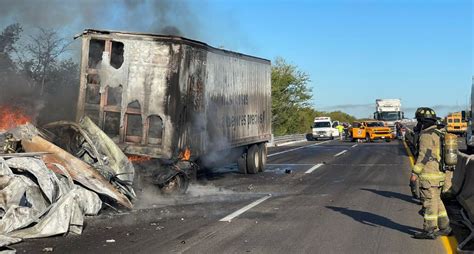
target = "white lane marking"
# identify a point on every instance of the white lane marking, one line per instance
(298, 148)
(313, 168)
(341, 153)
(284, 164)
(354, 146)
(242, 210)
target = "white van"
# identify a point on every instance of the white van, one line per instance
(324, 128)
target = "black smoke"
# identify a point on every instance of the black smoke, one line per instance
(152, 16)
(18, 84)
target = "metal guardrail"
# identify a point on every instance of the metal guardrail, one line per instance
(287, 138)
(291, 137)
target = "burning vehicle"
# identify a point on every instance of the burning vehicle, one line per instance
(178, 102)
(170, 103)
(52, 177)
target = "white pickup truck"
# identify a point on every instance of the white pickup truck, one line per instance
(324, 128)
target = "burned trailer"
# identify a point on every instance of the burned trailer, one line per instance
(161, 96)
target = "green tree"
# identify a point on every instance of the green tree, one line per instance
(9, 36)
(290, 97)
(341, 117)
(15, 88)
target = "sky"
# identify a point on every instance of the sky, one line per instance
(354, 51)
(358, 51)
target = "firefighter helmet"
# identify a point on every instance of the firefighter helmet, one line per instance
(425, 113)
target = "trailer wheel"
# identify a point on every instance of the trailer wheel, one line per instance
(242, 163)
(177, 185)
(262, 153)
(253, 160)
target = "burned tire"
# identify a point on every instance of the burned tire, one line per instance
(177, 185)
(242, 163)
(262, 152)
(253, 160)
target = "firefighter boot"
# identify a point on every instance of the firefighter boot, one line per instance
(445, 232)
(425, 235)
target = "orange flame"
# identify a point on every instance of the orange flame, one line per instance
(138, 158)
(186, 155)
(11, 117)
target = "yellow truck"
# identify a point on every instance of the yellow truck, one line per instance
(455, 123)
(370, 131)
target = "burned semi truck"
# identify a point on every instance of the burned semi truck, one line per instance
(175, 99)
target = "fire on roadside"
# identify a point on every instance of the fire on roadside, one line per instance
(11, 117)
(138, 158)
(185, 155)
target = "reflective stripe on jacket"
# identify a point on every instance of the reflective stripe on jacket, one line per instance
(429, 157)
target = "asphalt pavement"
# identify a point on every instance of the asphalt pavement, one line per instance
(314, 197)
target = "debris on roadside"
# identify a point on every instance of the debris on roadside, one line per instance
(51, 178)
(48, 249)
(288, 171)
(110, 241)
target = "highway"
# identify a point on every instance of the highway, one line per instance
(315, 197)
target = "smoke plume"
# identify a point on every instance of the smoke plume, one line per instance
(153, 16)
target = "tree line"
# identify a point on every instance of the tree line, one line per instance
(292, 111)
(36, 75)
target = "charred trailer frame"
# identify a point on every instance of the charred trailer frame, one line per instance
(157, 95)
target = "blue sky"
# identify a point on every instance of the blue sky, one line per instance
(357, 51)
(354, 51)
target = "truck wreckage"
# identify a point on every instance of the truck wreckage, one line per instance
(162, 97)
(50, 178)
(153, 98)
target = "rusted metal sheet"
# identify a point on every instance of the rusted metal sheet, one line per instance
(174, 93)
(77, 169)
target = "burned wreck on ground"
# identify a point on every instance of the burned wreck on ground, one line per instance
(163, 96)
(52, 177)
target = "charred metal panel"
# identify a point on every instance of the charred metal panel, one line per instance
(179, 93)
(238, 100)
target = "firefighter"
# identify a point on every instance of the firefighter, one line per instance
(429, 169)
